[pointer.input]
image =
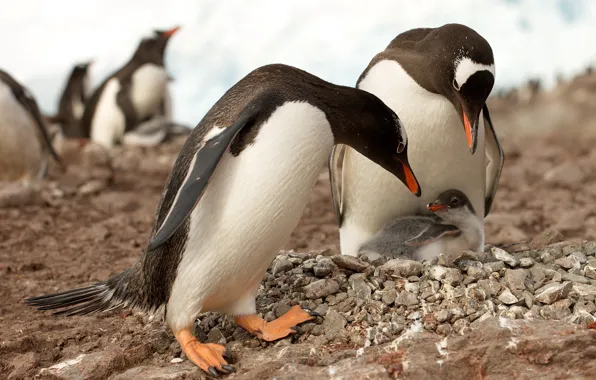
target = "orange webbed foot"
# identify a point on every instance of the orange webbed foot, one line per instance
(279, 328)
(209, 357)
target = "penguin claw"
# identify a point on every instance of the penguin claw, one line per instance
(228, 368)
(311, 312)
(227, 355)
(213, 372)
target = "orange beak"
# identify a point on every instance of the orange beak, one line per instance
(436, 207)
(411, 181)
(171, 32)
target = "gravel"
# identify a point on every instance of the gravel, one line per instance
(363, 303)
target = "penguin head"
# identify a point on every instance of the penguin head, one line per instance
(466, 73)
(379, 135)
(452, 206)
(152, 49)
(81, 68)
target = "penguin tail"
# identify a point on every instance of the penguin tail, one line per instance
(102, 296)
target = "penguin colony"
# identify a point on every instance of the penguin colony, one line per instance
(413, 159)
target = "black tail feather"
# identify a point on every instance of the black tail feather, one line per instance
(103, 296)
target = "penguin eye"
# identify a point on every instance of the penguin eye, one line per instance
(455, 85)
(400, 147)
(454, 202)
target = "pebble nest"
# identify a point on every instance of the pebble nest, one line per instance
(368, 303)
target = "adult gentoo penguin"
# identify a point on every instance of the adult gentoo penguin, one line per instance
(72, 101)
(437, 80)
(235, 193)
(24, 142)
(134, 94)
(453, 228)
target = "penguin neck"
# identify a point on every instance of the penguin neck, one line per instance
(472, 228)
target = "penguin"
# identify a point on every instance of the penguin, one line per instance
(72, 101)
(134, 94)
(24, 141)
(437, 80)
(452, 228)
(236, 191)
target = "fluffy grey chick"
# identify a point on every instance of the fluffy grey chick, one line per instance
(454, 227)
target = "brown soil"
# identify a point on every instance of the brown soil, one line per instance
(75, 240)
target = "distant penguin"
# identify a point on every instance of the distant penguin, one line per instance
(437, 80)
(235, 193)
(453, 228)
(24, 141)
(72, 101)
(132, 95)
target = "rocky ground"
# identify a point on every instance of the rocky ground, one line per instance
(520, 311)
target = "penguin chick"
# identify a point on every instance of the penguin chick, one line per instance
(454, 227)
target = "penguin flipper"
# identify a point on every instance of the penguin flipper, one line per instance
(496, 157)
(124, 102)
(202, 166)
(337, 154)
(433, 233)
(27, 100)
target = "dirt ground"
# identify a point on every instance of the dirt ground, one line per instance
(67, 240)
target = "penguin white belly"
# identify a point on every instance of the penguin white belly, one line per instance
(445, 245)
(77, 108)
(148, 87)
(249, 209)
(21, 154)
(108, 123)
(437, 151)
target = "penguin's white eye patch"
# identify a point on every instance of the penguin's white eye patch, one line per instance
(465, 68)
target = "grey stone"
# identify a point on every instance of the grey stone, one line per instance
(558, 310)
(215, 336)
(476, 273)
(412, 287)
(361, 289)
(545, 238)
(504, 256)
(590, 270)
(580, 256)
(333, 323)
(442, 315)
(494, 266)
(444, 329)
(491, 286)
(538, 274)
(589, 248)
(583, 290)
(553, 292)
(153, 372)
(406, 298)
(568, 262)
(403, 268)
(321, 288)
(389, 296)
(515, 278)
(282, 265)
(575, 278)
(450, 276)
(324, 267)
(526, 262)
(507, 298)
(349, 262)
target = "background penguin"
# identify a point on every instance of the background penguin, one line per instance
(72, 101)
(24, 141)
(132, 95)
(437, 80)
(236, 192)
(454, 228)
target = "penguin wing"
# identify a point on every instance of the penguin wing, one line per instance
(27, 100)
(432, 233)
(202, 166)
(496, 157)
(124, 102)
(337, 154)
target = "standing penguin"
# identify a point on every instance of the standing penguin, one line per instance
(453, 228)
(437, 80)
(235, 193)
(24, 141)
(72, 101)
(132, 95)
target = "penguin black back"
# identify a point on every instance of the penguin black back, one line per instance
(73, 96)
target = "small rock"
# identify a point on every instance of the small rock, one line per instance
(503, 256)
(476, 273)
(590, 270)
(575, 278)
(403, 268)
(526, 262)
(361, 289)
(558, 310)
(282, 265)
(321, 288)
(92, 186)
(568, 262)
(545, 238)
(406, 298)
(333, 323)
(490, 286)
(579, 256)
(389, 296)
(553, 292)
(507, 297)
(442, 315)
(450, 276)
(349, 262)
(215, 336)
(583, 290)
(515, 278)
(444, 329)
(567, 174)
(494, 266)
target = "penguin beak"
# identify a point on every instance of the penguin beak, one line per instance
(471, 120)
(171, 32)
(402, 170)
(436, 207)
